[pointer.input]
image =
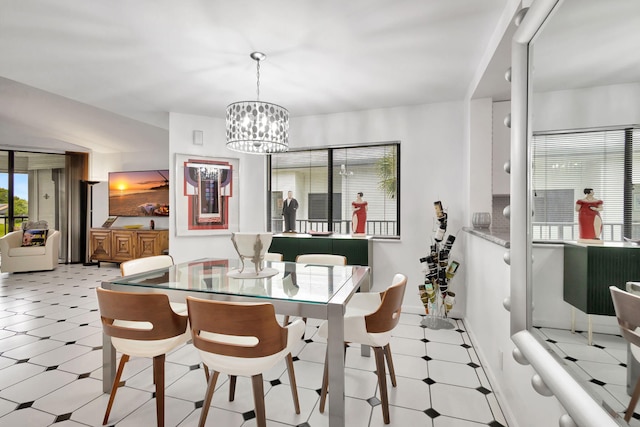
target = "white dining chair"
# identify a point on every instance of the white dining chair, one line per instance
(273, 256)
(322, 259)
(142, 265)
(368, 320)
(627, 308)
(250, 345)
(141, 325)
(319, 259)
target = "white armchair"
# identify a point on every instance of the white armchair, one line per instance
(16, 258)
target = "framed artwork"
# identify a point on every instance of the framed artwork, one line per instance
(207, 199)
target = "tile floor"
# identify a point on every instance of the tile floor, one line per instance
(602, 366)
(51, 370)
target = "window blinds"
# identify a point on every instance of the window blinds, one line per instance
(564, 164)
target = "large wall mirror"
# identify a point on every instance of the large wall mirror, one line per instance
(583, 106)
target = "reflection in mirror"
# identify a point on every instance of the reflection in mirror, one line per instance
(585, 115)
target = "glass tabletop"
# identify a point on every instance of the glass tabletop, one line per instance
(291, 281)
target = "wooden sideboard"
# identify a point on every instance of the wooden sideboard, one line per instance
(121, 244)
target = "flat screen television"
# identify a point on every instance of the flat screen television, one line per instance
(139, 193)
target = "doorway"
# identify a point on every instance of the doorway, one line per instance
(34, 186)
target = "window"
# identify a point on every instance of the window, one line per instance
(325, 182)
(564, 164)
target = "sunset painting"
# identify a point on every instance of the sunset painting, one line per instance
(139, 193)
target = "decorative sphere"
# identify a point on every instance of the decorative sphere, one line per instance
(519, 357)
(540, 386)
(506, 303)
(507, 120)
(566, 421)
(520, 16)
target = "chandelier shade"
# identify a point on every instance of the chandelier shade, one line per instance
(257, 127)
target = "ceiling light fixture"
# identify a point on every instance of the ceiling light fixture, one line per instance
(257, 127)
(344, 172)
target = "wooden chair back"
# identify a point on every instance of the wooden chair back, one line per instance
(255, 324)
(139, 307)
(322, 259)
(140, 265)
(386, 317)
(627, 307)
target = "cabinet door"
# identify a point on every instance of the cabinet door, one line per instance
(100, 245)
(122, 245)
(150, 243)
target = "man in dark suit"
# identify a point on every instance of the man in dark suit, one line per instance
(289, 208)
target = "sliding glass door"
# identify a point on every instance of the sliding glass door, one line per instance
(32, 186)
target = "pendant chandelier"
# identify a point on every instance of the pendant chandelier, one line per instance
(257, 127)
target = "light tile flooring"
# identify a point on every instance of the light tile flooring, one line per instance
(51, 370)
(602, 367)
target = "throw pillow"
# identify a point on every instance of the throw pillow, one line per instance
(35, 225)
(34, 237)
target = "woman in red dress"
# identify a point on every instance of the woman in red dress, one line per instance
(589, 216)
(359, 217)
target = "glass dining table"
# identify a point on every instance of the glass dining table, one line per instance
(295, 289)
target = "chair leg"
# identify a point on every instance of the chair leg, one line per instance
(158, 379)
(232, 387)
(292, 381)
(382, 382)
(114, 388)
(325, 383)
(258, 399)
(325, 378)
(633, 402)
(392, 371)
(211, 386)
(206, 372)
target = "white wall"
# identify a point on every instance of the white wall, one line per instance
(431, 138)
(488, 324)
(501, 148)
(431, 169)
(480, 156)
(600, 106)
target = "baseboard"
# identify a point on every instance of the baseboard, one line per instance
(511, 419)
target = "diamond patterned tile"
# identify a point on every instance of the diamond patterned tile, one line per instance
(31, 350)
(37, 386)
(460, 402)
(53, 371)
(70, 397)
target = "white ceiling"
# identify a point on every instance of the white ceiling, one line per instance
(588, 43)
(144, 58)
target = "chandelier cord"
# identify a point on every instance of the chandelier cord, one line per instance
(258, 80)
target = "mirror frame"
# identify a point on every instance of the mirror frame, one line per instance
(551, 377)
(521, 252)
